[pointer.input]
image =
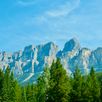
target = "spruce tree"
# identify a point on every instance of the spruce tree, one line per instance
(24, 96)
(93, 87)
(43, 85)
(12, 87)
(76, 92)
(100, 90)
(29, 93)
(18, 92)
(1, 83)
(6, 86)
(59, 84)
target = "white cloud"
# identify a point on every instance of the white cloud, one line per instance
(64, 9)
(26, 3)
(56, 14)
(53, 18)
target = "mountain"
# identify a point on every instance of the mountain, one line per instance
(29, 63)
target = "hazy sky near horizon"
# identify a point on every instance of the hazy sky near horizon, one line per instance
(25, 22)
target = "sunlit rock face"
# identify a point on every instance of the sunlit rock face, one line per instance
(72, 45)
(70, 50)
(96, 59)
(46, 54)
(81, 60)
(5, 59)
(30, 62)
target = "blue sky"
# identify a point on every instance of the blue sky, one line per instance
(24, 22)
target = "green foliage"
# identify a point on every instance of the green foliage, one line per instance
(93, 87)
(77, 85)
(1, 83)
(43, 85)
(59, 84)
(18, 92)
(53, 85)
(6, 86)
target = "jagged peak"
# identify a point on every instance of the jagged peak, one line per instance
(71, 45)
(86, 49)
(29, 47)
(50, 44)
(99, 48)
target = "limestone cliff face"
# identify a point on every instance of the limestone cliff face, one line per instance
(71, 49)
(29, 63)
(81, 60)
(96, 59)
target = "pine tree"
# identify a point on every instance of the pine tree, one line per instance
(1, 83)
(35, 92)
(43, 85)
(12, 87)
(18, 92)
(76, 92)
(93, 87)
(100, 90)
(24, 96)
(59, 84)
(6, 86)
(29, 93)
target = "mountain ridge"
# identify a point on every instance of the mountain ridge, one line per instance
(27, 64)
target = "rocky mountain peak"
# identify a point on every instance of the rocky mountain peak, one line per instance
(30, 47)
(28, 63)
(71, 45)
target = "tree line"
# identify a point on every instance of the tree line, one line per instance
(53, 85)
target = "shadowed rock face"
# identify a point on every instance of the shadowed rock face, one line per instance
(96, 58)
(71, 45)
(29, 63)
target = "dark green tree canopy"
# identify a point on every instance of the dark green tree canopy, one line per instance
(53, 85)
